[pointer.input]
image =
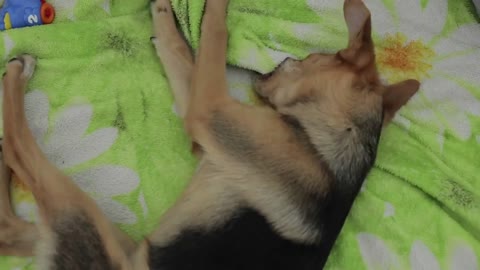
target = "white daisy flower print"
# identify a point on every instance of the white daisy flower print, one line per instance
(322, 5)
(378, 256)
(66, 145)
(410, 44)
(65, 8)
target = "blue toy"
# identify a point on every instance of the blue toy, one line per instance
(22, 13)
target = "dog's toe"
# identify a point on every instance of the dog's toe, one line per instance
(154, 41)
(160, 6)
(13, 59)
(29, 64)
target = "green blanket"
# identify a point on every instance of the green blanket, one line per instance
(100, 107)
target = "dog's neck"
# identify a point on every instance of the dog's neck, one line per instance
(349, 157)
(356, 154)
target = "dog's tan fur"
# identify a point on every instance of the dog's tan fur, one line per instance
(249, 156)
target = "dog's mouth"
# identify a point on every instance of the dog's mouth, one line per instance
(269, 75)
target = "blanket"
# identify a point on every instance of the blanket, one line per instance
(99, 106)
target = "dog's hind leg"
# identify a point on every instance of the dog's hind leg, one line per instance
(173, 52)
(17, 237)
(5, 177)
(74, 233)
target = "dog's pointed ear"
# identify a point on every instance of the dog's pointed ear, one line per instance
(360, 50)
(397, 95)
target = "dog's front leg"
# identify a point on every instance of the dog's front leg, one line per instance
(173, 52)
(209, 85)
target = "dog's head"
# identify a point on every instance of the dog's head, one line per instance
(338, 89)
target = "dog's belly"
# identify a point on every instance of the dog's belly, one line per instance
(247, 242)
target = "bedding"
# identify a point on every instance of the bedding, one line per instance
(477, 5)
(99, 106)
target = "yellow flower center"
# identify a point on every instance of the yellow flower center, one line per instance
(21, 192)
(399, 58)
(17, 183)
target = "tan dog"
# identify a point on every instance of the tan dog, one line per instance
(273, 186)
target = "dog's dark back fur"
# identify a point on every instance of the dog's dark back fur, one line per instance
(247, 241)
(78, 245)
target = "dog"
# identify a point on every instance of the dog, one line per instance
(274, 183)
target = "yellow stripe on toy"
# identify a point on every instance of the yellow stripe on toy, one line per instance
(7, 22)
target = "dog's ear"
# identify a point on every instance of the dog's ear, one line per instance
(360, 50)
(397, 95)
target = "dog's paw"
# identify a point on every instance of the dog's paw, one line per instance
(27, 63)
(160, 6)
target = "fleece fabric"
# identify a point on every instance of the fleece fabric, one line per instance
(100, 107)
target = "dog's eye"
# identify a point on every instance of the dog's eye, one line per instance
(300, 100)
(313, 58)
